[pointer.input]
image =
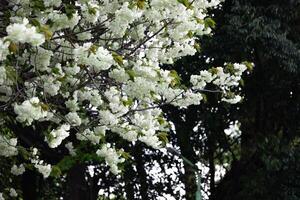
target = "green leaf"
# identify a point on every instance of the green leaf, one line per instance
(70, 10)
(209, 22)
(204, 96)
(190, 34)
(249, 65)
(44, 107)
(38, 5)
(230, 68)
(55, 70)
(35, 22)
(118, 58)
(127, 102)
(66, 163)
(55, 172)
(141, 4)
(213, 70)
(93, 49)
(13, 47)
(131, 74)
(242, 83)
(92, 11)
(176, 78)
(186, 3)
(161, 120)
(46, 31)
(197, 47)
(163, 136)
(125, 155)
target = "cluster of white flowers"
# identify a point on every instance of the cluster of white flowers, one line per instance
(62, 21)
(124, 16)
(1, 196)
(224, 80)
(29, 111)
(3, 49)
(73, 118)
(41, 60)
(13, 192)
(17, 170)
(55, 137)
(23, 32)
(8, 146)
(42, 167)
(95, 68)
(90, 11)
(45, 170)
(111, 157)
(89, 135)
(70, 148)
(96, 57)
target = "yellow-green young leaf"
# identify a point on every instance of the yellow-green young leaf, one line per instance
(92, 11)
(44, 107)
(35, 22)
(13, 47)
(204, 96)
(46, 31)
(93, 49)
(209, 22)
(249, 65)
(125, 155)
(213, 70)
(131, 74)
(230, 68)
(152, 93)
(190, 34)
(161, 120)
(141, 4)
(197, 47)
(186, 3)
(199, 21)
(128, 102)
(118, 58)
(242, 83)
(176, 79)
(55, 171)
(62, 78)
(163, 136)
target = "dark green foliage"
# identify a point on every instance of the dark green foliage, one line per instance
(267, 33)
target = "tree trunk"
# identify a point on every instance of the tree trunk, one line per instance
(29, 186)
(77, 188)
(140, 167)
(189, 178)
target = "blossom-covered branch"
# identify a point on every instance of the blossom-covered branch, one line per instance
(90, 68)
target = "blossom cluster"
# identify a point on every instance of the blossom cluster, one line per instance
(90, 69)
(8, 146)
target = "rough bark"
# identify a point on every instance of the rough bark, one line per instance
(140, 167)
